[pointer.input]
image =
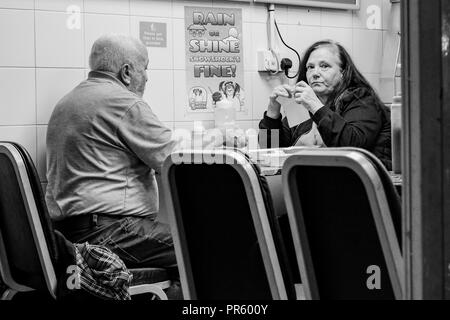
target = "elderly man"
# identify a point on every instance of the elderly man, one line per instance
(104, 144)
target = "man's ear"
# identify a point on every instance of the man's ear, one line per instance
(125, 74)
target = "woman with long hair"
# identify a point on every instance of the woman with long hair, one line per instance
(344, 109)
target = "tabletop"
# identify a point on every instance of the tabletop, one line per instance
(271, 162)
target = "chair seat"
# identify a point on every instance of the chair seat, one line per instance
(148, 275)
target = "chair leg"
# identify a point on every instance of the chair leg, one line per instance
(8, 294)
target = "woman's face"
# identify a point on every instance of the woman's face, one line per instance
(323, 71)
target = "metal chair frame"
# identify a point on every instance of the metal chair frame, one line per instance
(367, 173)
(14, 286)
(256, 204)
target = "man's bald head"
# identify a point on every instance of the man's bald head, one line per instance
(110, 52)
(125, 57)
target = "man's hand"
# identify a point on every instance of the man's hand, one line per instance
(305, 96)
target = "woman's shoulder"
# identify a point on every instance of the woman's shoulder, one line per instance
(358, 94)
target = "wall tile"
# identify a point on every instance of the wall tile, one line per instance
(24, 135)
(280, 14)
(391, 16)
(259, 42)
(99, 24)
(246, 8)
(263, 84)
(14, 4)
(391, 42)
(160, 57)
(60, 5)
(299, 38)
(52, 85)
(336, 18)
(107, 6)
(151, 8)
(374, 80)
(179, 46)
(17, 90)
(159, 94)
(367, 50)
(41, 164)
(342, 35)
(247, 45)
(56, 45)
(304, 16)
(17, 38)
(178, 6)
(259, 13)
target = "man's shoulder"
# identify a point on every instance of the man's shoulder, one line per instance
(106, 93)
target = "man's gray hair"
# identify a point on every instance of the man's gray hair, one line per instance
(110, 52)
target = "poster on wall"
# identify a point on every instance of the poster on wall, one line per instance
(214, 58)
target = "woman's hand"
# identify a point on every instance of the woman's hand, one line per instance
(284, 90)
(305, 96)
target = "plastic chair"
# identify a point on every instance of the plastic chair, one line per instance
(28, 250)
(345, 219)
(227, 241)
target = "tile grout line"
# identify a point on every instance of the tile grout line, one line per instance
(83, 16)
(35, 84)
(173, 66)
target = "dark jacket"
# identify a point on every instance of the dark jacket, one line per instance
(357, 120)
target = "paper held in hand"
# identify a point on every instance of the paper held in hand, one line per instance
(294, 112)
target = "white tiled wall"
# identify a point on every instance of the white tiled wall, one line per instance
(44, 53)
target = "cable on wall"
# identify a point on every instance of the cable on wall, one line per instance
(298, 56)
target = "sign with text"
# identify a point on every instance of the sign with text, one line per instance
(214, 57)
(153, 34)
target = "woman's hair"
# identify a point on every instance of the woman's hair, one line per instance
(351, 77)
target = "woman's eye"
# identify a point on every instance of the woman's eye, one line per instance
(324, 66)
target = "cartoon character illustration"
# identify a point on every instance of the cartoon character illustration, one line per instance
(232, 35)
(216, 96)
(197, 30)
(233, 92)
(197, 98)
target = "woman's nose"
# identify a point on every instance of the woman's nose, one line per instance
(315, 73)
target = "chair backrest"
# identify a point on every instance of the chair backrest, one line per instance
(346, 243)
(227, 242)
(27, 245)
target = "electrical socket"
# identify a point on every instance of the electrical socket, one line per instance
(267, 61)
